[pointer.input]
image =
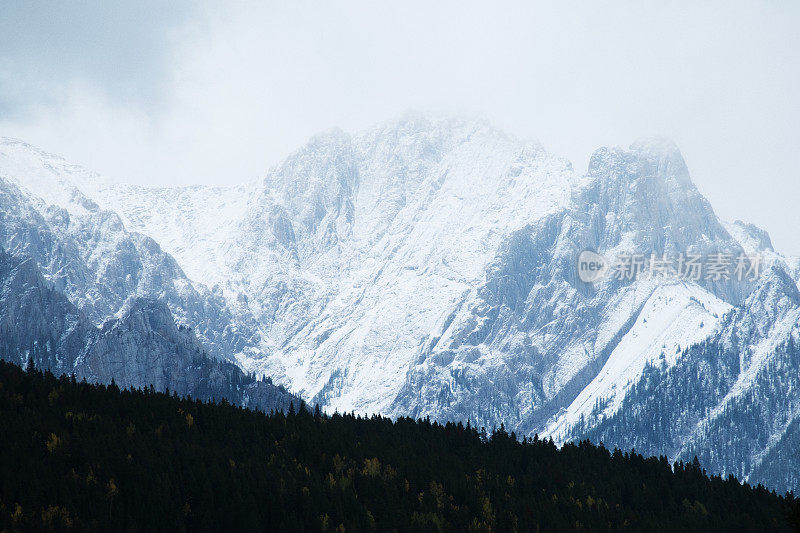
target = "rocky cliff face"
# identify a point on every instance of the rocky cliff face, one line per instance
(142, 348)
(87, 253)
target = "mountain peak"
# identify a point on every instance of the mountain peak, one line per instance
(751, 237)
(656, 145)
(16, 143)
(775, 286)
(440, 130)
(646, 158)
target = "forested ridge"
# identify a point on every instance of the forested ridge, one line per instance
(91, 457)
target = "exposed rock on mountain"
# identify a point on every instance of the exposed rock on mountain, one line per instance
(142, 348)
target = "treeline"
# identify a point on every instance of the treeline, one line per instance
(81, 456)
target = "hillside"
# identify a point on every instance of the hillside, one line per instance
(93, 457)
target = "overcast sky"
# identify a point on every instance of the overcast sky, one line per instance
(181, 93)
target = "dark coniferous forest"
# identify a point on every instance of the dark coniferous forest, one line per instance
(89, 457)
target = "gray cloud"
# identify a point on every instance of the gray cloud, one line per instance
(123, 48)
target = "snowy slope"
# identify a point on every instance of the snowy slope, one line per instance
(426, 267)
(732, 400)
(369, 261)
(351, 249)
(88, 253)
(674, 317)
(367, 269)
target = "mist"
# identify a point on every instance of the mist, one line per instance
(212, 93)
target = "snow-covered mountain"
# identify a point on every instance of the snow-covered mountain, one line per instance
(89, 254)
(143, 348)
(427, 267)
